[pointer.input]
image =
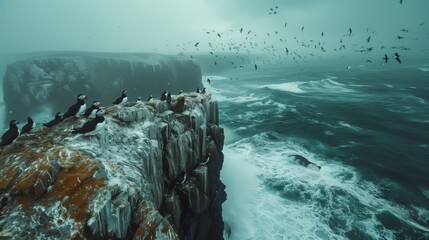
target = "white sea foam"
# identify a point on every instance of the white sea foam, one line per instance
(347, 125)
(424, 69)
(286, 87)
(213, 77)
(295, 202)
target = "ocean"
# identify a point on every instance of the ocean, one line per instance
(366, 127)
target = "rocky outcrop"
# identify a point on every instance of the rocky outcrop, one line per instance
(56, 79)
(154, 173)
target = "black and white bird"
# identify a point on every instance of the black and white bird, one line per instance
(11, 134)
(203, 91)
(90, 112)
(94, 125)
(397, 57)
(29, 126)
(163, 96)
(58, 118)
(122, 99)
(150, 98)
(168, 98)
(139, 100)
(181, 92)
(78, 108)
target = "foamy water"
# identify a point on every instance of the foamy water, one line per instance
(272, 196)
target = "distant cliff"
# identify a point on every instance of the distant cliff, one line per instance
(56, 79)
(154, 173)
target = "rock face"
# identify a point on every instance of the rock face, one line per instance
(154, 173)
(56, 79)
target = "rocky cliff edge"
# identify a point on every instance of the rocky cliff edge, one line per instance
(152, 174)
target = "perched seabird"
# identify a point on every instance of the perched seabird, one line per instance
(198, 90)
(204, 90)
(58, 118)
(11, 134)
(168, 98)
(78, 108)
(122, 99)
(29, 126)
(149, 99)
(90, 112)
(181, 92)
(93, 126)
(139, 100)
(163, 96)
(397, 57)
(386, 58)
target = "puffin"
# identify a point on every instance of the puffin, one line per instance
(163, 96)
(58, 118)
(139, 100)
(78, 108)
(149, 99)
(90, 112)
(29, 126)
(122, 99)
(94, 125)
(11, 134)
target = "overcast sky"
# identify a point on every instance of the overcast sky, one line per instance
(172, 26)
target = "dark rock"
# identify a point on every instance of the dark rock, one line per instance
(150, 175)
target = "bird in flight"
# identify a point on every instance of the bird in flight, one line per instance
(397, 57)
(386, 58)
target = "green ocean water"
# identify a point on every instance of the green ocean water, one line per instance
(366, 127)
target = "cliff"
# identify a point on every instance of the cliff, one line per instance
(152, 174)
(55, 79)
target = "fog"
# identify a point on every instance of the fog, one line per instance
(175, 26)
(288, 31)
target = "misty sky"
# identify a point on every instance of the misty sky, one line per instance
(172, 26)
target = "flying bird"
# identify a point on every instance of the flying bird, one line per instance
(397, 57)
(241, 30)
(196, 44)
(386, 58)
(368, 39)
